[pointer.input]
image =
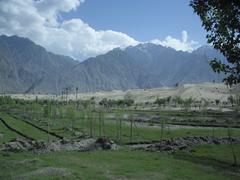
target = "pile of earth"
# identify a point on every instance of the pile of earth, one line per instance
(46, 172)
(61, 145)
(182, 143)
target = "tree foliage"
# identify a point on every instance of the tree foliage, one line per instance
(160, 101)
(221, 20)
(126, 102)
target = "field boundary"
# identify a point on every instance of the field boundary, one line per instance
(39, 128)
(16, 131)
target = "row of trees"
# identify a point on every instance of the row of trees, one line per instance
(188, 102)
(109, 103)
(174, 101)
(233, 101)
(91, 120)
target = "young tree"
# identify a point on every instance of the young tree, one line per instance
(47, 115)
(231, 100)
(187, 103)
(71, 115)
(76, 93)
(217, 102)
(229, 132)
(160, 102)
(168, 99)
(128, 99)
(131, 127)
(221, 20)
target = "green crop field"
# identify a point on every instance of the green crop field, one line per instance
(76, 121)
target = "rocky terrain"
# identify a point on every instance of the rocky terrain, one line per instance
(88, 144)
(26, 68)
(183, 143)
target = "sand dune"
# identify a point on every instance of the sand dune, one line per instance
(207, 91)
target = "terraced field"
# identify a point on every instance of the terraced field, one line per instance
(55, 121)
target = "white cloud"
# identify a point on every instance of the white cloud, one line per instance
(184, 36)
(40, 21)
(184, 44)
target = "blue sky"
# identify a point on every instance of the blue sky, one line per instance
(87, 28)
(142, 19)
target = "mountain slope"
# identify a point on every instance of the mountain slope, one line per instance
(27, 67)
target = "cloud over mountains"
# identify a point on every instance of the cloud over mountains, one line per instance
(184, 44)
(40, 20)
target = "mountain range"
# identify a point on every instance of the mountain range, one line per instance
(26, 67)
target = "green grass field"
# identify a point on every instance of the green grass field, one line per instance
(204, 162)
(111, 129)
(121, 164)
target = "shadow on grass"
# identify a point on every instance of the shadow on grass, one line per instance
(207, 161)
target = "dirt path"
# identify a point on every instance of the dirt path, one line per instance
(174, 126)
